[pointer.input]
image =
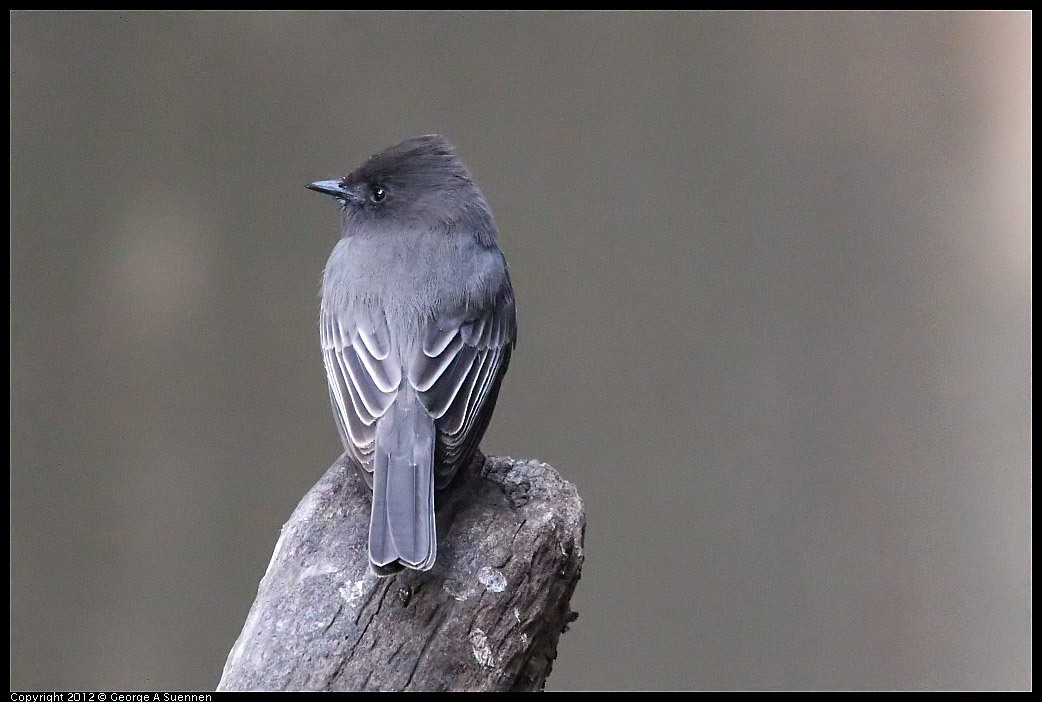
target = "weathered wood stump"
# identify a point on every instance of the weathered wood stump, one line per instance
(486, 617)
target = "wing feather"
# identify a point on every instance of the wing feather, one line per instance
(363, 376)
(425, 370)
(460, 394)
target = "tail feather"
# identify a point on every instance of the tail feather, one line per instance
(401, 527)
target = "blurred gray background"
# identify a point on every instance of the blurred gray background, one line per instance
(774, 286)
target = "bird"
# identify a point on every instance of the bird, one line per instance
(417, 324)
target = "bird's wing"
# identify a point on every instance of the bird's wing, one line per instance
(363, 374)
(456, 367)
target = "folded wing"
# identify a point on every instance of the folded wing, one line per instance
(456, 368)
(364, 376)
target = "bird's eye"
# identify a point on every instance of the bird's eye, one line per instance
(377, 193)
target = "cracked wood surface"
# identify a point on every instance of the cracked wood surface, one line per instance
(486, 617)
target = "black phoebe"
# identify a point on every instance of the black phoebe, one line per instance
(417, 326)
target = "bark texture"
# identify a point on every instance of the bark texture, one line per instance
(486, 617)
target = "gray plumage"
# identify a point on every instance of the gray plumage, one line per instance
(417, 324)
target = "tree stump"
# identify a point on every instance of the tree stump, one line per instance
(487, 616)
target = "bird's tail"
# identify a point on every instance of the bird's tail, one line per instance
(401, 527)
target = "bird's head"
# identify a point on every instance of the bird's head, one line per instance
(417, 180)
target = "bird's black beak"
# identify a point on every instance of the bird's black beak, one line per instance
(332, 187)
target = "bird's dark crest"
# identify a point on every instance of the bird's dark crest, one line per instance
(424, 158)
